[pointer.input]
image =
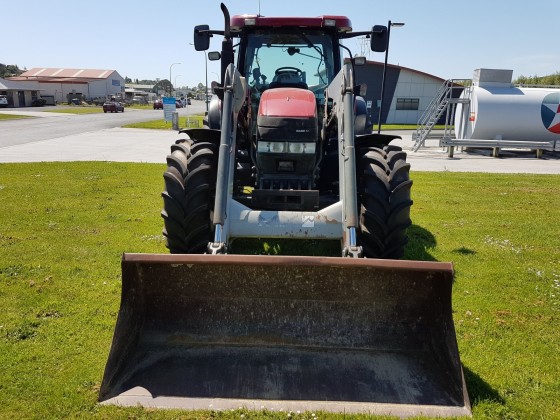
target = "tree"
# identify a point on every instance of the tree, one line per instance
(164, 85)
(9, 70)
(551, 80)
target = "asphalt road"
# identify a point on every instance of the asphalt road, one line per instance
(52, 125)
(98, 137)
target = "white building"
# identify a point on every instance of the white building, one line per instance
(19, 93)
(64, 84)
(144, 91)
(406, 95)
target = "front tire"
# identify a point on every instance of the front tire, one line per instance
(188, 199)
(384, 195)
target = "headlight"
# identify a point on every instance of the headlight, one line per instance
(296, 147)
(271, 147)
(302, 148)
(286, 147)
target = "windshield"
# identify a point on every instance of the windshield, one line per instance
(292, 58)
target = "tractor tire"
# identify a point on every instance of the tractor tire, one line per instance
(188, 199)
(384, 198)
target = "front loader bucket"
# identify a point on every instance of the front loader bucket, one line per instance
(287, 333)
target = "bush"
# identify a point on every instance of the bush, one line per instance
(39, 102)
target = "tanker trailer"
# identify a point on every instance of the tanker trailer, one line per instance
(497, 114)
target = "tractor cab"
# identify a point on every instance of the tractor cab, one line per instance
(289, 57)
(302, 58)
(295, 52)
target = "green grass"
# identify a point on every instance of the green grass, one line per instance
(64, 226)
(13, 117)
(76, 109)
(140, 106)
(90, 109)
(192, 121)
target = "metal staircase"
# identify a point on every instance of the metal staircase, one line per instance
(445, 101)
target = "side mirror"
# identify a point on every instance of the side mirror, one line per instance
(201, 37)
(214, 55)
(379, 38)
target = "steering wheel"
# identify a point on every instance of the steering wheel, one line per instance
(283, 70)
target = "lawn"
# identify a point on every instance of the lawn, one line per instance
(191, 121)
(90, 109)
(64, 226)
(76, 109)
(13, 117)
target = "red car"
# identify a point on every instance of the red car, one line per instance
(113, 106)
(158, 104)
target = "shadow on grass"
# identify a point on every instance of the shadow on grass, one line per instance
(464, 251)
(420, 243)
(281, 246)
(479, 390)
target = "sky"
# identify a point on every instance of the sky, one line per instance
(142, 39)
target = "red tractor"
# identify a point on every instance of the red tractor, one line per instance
(286, 153)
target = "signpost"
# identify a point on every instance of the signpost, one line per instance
(169, 107)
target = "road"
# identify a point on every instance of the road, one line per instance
(51, 125)
(99, 137)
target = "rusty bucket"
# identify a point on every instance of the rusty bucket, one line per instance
(286, 333)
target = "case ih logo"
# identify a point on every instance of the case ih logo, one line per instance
(550, 112)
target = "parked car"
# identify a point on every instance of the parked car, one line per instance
(3, 101)
(158, 104)
(39, 102)
(178, 103)
(113, 106)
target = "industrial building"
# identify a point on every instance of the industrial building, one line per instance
(407, 92)
(62, 84)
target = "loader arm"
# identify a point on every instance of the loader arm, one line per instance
(235, 93)
(341, 92)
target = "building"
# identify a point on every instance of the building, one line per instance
(407, 92)
(19, 93)
(146, 92)
(65, 84)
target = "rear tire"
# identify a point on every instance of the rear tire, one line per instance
(384, 196)
(188, 199)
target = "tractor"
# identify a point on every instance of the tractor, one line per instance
(286, 152)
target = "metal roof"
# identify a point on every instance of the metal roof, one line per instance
(62, 73)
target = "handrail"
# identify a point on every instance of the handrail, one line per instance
(440, 103)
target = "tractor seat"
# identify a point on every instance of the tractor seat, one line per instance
(278, 84)
(287, 80)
